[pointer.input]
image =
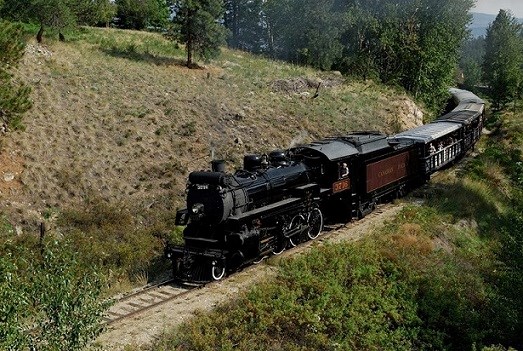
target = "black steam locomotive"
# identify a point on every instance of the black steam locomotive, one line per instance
(281, 199)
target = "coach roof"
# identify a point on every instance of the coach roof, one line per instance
(428, 132)
(464, 96)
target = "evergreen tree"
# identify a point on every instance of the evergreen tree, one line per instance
(139, 14)
(243, 20)
(472, 53)
(471, 74)
(412, 43)
(95, 12)
(304, 31)
(14, 97)
(443, 29)
(503, 58)
(197, 26)
(58, 14)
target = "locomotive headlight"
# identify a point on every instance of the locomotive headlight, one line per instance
(197, 209)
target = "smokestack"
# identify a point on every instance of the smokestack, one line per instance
(218, 166)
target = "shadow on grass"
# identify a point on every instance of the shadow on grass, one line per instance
(131, 53)
(464, 201)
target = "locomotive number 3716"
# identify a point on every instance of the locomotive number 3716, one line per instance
(340, 185)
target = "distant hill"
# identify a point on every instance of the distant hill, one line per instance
(480, 23)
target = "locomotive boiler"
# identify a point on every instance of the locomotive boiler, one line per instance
(234, 219)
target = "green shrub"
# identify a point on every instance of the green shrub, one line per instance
(50, 294)
(111, 237)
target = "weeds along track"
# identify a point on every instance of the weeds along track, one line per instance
(145, 299)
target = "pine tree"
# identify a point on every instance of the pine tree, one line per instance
(197, 26)
(139, 14)
(95, 12)
(58, 14)
(503, 59)
(243, 20)
(14, 97)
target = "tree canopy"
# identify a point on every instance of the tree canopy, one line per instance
(242, 18)
(411, 43)
(503, 58)
(58, 14)
(14, 96)
(197, 26)
(95, 12)
(139, 14)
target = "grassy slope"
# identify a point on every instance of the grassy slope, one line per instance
(117, 117)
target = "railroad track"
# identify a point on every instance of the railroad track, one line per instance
(145, 299)
(155, 295)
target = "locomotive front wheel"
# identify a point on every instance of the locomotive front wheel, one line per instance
(218, 270)
(293, 243)
(315, 223)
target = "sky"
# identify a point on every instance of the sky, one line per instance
(493, 6)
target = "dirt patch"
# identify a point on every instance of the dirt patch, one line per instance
(37, 50)
(11, 168)
(407, 114)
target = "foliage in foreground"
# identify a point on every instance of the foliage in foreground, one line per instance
(112, 237)
(318, 302)
(48, 301)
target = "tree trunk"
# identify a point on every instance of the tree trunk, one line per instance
(189, 53)
(40, 34)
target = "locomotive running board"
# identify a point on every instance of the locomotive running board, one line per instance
(267, 209)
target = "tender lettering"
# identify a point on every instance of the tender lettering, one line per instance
(386, 172)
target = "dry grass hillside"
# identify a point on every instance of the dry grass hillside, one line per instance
(118, 117)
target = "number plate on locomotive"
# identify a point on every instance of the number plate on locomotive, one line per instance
(341, 185)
